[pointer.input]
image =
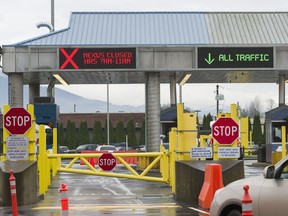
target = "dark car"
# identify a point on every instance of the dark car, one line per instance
(84, 147)
(63, 149)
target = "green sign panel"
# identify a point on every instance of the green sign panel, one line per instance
(235, 57)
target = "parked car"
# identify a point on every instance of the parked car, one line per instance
(63, 149)
(141, 148)
(108, 148)
(268, 192)
(121, 148)
(254, 149)
(80, 148)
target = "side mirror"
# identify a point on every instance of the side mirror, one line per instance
(269, 172)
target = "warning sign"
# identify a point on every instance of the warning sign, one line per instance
(17, 148)
(201, 152)
(232, 152)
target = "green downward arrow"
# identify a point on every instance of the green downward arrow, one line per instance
(210, 60)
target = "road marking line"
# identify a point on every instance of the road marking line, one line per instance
(200, 211)
(83, 207)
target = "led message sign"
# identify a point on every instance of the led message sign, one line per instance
(235, 57)
(97, 58)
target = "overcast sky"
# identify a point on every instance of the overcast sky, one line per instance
(18, 19)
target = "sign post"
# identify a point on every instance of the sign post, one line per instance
(107, 161)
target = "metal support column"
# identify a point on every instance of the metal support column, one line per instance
(51, 89)
(172, 79)
(152, 91)
(34, 91)
(281, 89)
(15, 90)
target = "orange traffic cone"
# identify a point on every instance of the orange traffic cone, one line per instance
(212, 182)
(246, 202)
(64, 200)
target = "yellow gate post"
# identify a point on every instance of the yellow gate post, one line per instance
(41, 159)
(32, 134)
(5, 134)
(47, 170)
(244, 135)
(164, 163)
(187, 132)
(54, 151)
(173, 156)
(283, 141)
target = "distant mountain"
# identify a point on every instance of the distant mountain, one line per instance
(67, 100)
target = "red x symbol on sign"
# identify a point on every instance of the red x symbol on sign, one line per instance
(69, 58)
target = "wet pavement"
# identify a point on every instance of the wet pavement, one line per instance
(97, 195)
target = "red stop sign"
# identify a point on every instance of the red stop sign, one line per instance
(107, 161)
(225, 131)
(17, 120)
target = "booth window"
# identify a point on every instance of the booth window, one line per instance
(277, 134)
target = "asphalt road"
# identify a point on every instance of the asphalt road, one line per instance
(96, 195)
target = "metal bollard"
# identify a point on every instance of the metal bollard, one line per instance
(64, 200)
(246, 202)
(13, 194)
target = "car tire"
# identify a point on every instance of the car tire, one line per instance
(234, 213)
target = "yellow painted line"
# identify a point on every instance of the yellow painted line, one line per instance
(87, 207)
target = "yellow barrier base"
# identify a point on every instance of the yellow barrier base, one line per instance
(276, 156)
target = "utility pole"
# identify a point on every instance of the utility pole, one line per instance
(52, 15)
(217, 99)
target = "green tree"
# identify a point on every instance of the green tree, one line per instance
(257, 135)
(203, 125)
(71, 135)
(83, 133)
(208, 120)
(264, 134)
(61, 135)
(120, 132)
(142, 136)
(131, 133)
(98, 133)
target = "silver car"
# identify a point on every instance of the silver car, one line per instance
(269, 193)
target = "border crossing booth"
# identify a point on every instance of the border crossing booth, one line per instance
(275, 119)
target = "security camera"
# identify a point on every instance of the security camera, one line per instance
(162, 136)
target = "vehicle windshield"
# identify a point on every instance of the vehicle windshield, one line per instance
(108, 148)
(82, 147)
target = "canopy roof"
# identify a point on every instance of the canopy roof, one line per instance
(168, 28)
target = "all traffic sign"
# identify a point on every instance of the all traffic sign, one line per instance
(225, 131)
(235, 57)
(107, 161)
(17, 120)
